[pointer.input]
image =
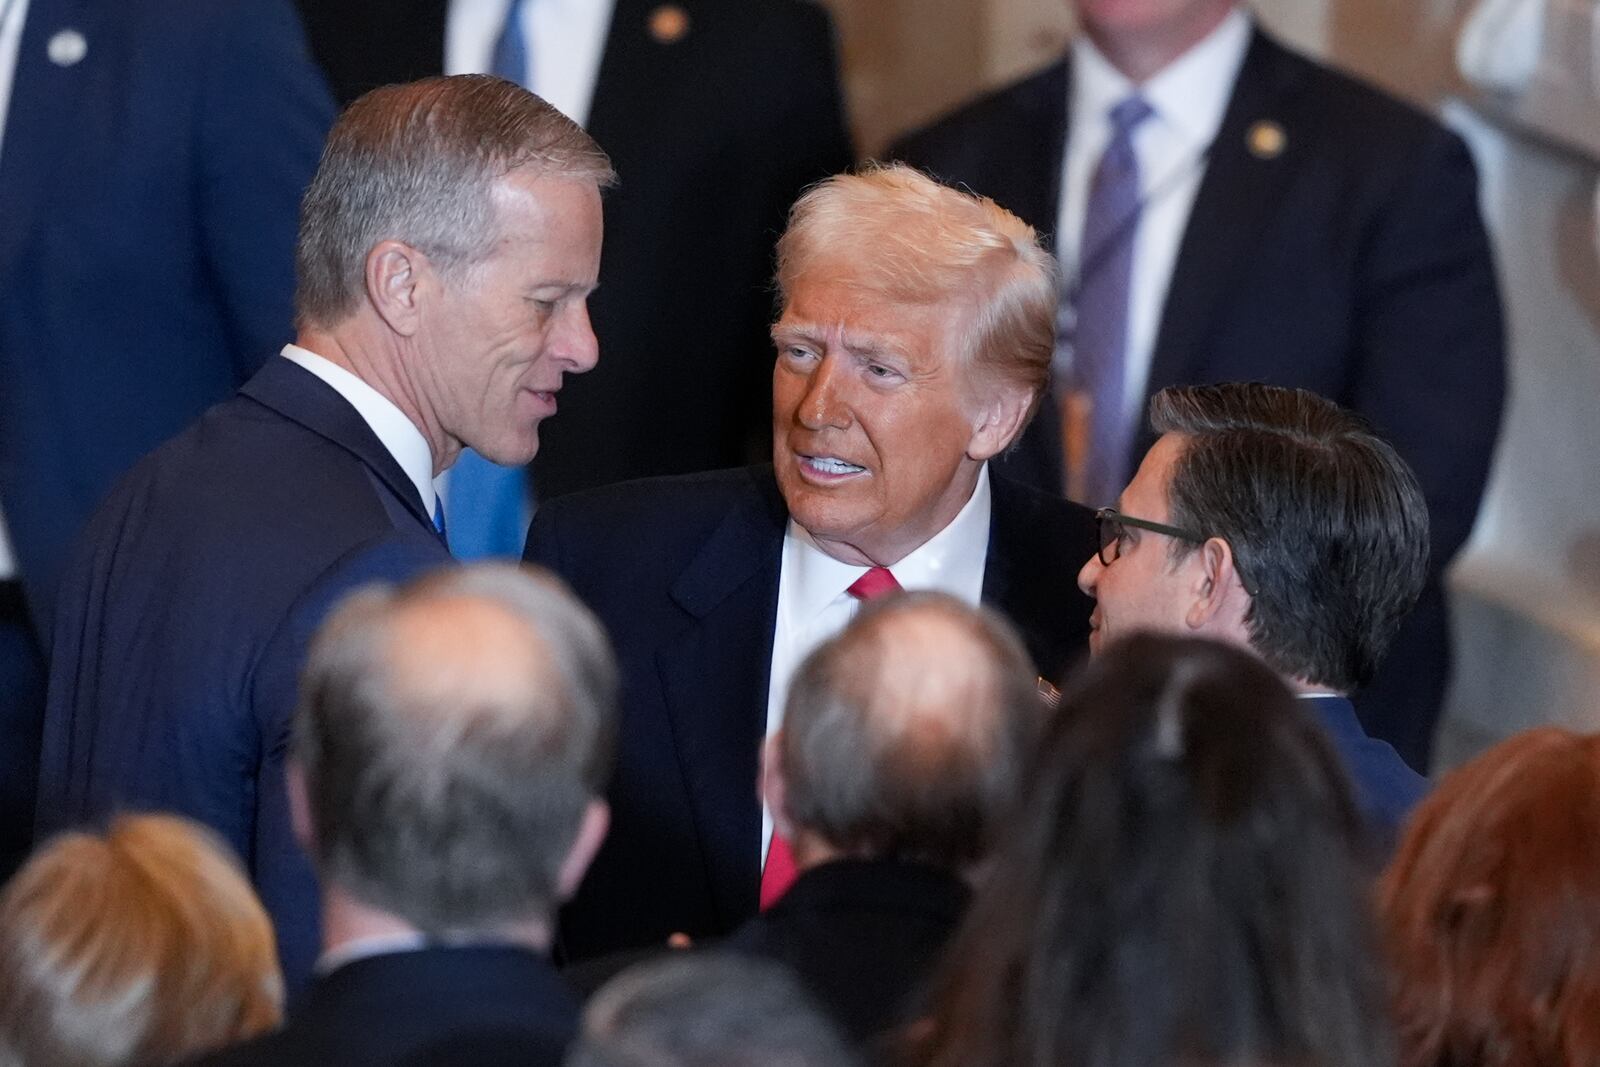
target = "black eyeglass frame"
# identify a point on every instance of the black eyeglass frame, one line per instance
(1117, 518)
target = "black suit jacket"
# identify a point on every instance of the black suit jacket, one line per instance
(863, 936)
(713, 136)
(185, 614)
(1354, 264)
(423, 1007)
(684, 573)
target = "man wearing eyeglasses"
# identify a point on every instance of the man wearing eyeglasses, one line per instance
(1274, 519)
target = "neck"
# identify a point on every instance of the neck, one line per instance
(376, 357)
(346, 919)
(896, 545)
(1142, 54)
(1304, 688)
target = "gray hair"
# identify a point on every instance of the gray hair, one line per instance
(1328, 526)
(452, 732)
(417, 163)
(905, 734)
(706, 1009)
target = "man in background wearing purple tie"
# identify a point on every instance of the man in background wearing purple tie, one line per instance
(913, 345)
(1228, 210)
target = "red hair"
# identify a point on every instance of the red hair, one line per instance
(1491, 910)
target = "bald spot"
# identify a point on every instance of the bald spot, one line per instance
(465, 652)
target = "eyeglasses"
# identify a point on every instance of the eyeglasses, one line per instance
(1113, 521)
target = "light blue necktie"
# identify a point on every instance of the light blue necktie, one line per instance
(1095, 311)
(490, 503)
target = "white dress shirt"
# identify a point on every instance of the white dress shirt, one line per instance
(813, 604)
(398, 434)
(12, 14)
(566, 39)
(1188, 98)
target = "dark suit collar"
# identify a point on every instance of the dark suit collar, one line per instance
(1239, 194)
(482, 977)
(1336, 714)
(877, 883)
(43, 95)
(744, 544)
(302, 397)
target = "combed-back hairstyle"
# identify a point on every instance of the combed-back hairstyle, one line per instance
(140, 946)
(417, 163)
(905, 237)
(1180, 885)
(452, 732)
(707, 1009)
(1491, 910)
(905, 734)
(1328, 526)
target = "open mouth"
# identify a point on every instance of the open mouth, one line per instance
(830, 466)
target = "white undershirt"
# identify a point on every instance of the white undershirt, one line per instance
(813, 604)
(566, 39)
(398, 434)
(1188, 98)
(10, 45)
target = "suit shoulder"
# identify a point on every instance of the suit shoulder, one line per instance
(1015, 109)
(676, 498)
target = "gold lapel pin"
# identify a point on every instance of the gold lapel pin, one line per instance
(669, 24)
(1266, 139)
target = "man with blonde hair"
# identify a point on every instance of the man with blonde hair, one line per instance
(913, 345)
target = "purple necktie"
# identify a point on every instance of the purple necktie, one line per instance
(1095, 318)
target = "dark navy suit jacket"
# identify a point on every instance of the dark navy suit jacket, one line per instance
(429, 1006)
(684, 573)
(1386, 788)
(185, 614)
(1354, 264)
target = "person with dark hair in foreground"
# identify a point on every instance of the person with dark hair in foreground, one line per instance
(1180, 886)
(706, 1010)
(901, 750)
(1490, 910)
(452, 741)
(448, 243)
(1278, 521)
(138, 946)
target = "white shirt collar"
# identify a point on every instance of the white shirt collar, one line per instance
(1189, 95)
(951, 561)
(388, 423)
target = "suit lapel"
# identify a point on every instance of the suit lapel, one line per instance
(1240, 192)
(1030, 576)
(628, 87)
(41, 114)
(1026, 179)
(714, 682)
(302, 397)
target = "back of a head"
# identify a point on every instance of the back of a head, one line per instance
(1328, 525)
(1491, 910)
(904, 735)
(1180, 884)
(416, 163)
(143, 946)
(706, 1009)
(452, 733)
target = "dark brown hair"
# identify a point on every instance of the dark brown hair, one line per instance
(1491, 910)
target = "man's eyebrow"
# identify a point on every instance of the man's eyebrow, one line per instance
(855, 343)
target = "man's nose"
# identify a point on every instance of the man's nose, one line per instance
(1089, 574)
(823, 404)
(579, 349)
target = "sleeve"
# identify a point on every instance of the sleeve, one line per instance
(265, 111)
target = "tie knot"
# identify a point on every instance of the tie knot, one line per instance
(1129, 113)
(873, 584)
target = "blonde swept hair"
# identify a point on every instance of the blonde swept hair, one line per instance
(912, 240)
(142, 945)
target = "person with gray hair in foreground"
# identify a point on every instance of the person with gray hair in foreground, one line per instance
(706, 1010)
(901, 749)
(451, 744)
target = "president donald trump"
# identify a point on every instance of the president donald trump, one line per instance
(913, 345)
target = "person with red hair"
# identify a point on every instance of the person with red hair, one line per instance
(1490, 910)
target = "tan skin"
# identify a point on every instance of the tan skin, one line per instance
(878, 430)
(1142, 37)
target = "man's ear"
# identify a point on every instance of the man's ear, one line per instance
(774, 788)
(300, 820)
(999, 421)
(1218, 594)
(591, 832)
(396, 275)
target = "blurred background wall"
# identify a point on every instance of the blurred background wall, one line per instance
(1526, 591)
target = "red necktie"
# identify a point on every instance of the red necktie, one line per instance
(779, 872)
